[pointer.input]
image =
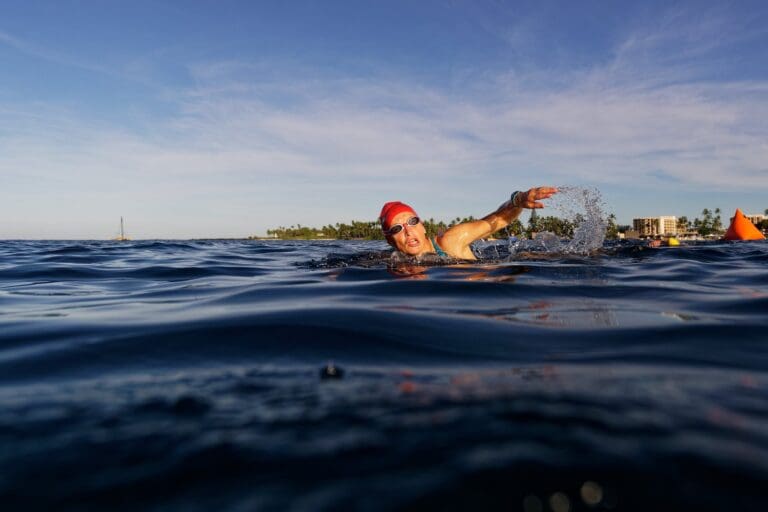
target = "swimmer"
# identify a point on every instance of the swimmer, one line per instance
(669, 242)
(406, 233)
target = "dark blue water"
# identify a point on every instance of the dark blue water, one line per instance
(187, 376)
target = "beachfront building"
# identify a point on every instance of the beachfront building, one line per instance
(756, 218)
(655, 226)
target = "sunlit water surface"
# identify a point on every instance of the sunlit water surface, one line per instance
(165, 375)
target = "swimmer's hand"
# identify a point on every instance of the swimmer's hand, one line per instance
(532, 197)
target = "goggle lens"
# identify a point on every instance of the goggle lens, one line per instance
(399, 227)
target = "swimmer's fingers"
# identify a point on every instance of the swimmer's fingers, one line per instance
(545, 192)
(532, 196)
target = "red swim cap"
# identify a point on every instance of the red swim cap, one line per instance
(390, 210)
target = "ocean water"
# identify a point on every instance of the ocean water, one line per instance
(277, 375)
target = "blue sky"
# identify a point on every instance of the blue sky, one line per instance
(226, 118)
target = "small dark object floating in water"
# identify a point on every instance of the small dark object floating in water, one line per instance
(330, 371)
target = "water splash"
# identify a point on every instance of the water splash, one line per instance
(583, 207)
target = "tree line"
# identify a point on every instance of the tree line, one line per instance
(710, 223)
(371, 230)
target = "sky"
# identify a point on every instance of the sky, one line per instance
(227, 118)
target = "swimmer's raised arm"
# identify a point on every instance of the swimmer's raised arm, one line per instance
(456, 240)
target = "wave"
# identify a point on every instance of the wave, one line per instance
(388, 335)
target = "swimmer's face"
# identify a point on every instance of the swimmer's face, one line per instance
(411, 240)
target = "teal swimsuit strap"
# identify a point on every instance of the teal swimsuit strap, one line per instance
(439, 251)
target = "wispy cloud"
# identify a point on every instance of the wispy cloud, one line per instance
(31, 49)
(139, 70)
(683, 35)
(593, 131)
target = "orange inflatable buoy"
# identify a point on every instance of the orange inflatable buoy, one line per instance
(742, 229)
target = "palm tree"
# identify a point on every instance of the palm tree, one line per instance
(717, 225)
(612, 231)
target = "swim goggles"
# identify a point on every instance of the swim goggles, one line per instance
(395, 229)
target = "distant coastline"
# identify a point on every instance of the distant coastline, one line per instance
(709, 226)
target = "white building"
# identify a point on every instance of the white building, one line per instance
(656, 226)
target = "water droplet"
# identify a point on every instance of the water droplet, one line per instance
(591, 493)
(580, 206)
(559, 502)
(330, 371)
(532, 504)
